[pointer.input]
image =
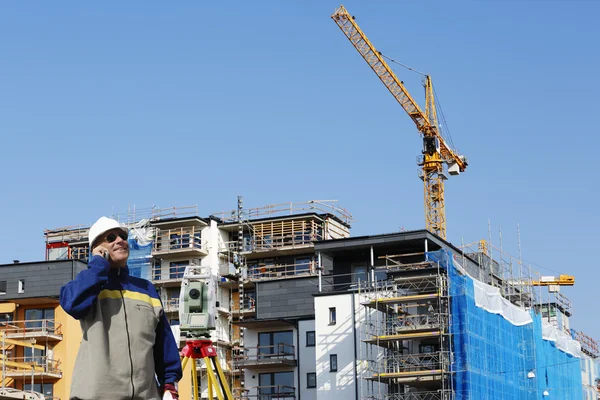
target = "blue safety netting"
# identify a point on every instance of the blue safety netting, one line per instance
(140, 259)
(558, 373)
(496, 359)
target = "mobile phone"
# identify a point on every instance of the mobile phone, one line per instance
(105, 255)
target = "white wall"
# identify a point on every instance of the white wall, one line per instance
(307, 360)
(337, 339)
(251, 341)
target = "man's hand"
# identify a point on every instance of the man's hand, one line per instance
(100, 250)
(170, 392)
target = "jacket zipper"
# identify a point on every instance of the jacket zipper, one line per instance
(128, 343)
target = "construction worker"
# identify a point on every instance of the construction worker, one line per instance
(128, 350)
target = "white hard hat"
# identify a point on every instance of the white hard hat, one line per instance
(103, 224)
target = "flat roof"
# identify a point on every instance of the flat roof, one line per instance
(69, 260)
(409, 237)
(289, 216)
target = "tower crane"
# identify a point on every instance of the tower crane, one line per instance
(436, 150)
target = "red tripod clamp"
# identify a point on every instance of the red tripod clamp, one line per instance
(198, 349)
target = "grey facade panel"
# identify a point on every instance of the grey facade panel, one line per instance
(286, 298)
(41, 279)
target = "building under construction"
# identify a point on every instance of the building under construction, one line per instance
(306, 311)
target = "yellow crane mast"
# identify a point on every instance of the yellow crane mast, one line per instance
(436, 151)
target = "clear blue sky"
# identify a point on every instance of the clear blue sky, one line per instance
(114, 104)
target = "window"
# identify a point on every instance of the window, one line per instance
(332, 362)
(310, 338)
(175, 241)
(2, 287)
(197, 240)
(302, 265)
(157, 271)
(332, 316)
(21, 285)
(380, 275)
(44, 388)
(276, 385)
(428, 348)
(359, 273)
(36, 317)
(34, 355)
(273, 344)
(177, 268)
(311, 380)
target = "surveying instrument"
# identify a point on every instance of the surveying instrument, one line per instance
(197, 319)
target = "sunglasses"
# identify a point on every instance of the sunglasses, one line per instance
(111, 237)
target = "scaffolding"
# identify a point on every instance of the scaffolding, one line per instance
(283, 209)
(405, 332)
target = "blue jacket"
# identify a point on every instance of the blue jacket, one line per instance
(127, 350)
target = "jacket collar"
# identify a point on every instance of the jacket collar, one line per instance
(119, 273)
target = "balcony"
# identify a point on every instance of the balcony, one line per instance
(171, 275)
(413, 323)
(262, 271)
(31, 367)
(279, 392)
(46, 329)
(171, 305)
(428, 395)
(410, 367)
(179, 242)
(248, 308)
(280, 355)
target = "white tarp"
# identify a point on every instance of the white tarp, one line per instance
(490, 299)
(561, 339)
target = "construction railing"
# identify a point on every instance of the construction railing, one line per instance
(171, 305)
(80, 253)
(179, 239)
(26, 366)
(429, 395)
(411, 363)
(283, 209)
(394, 325)
(170, 273)
(271, 271)
(248, 305)
(31, 328)
(280, 392)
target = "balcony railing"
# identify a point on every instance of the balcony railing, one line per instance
(273, 271)
(280, 392)
(24, 367)
(34, 328)
(186, 240)
(276, 355)
(171, 305)
(171, 273)
(248, 306)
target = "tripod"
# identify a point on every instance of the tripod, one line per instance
(204, 349)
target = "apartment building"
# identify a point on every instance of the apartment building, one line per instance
(248, 256)
(305, 311)
(39, 340)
